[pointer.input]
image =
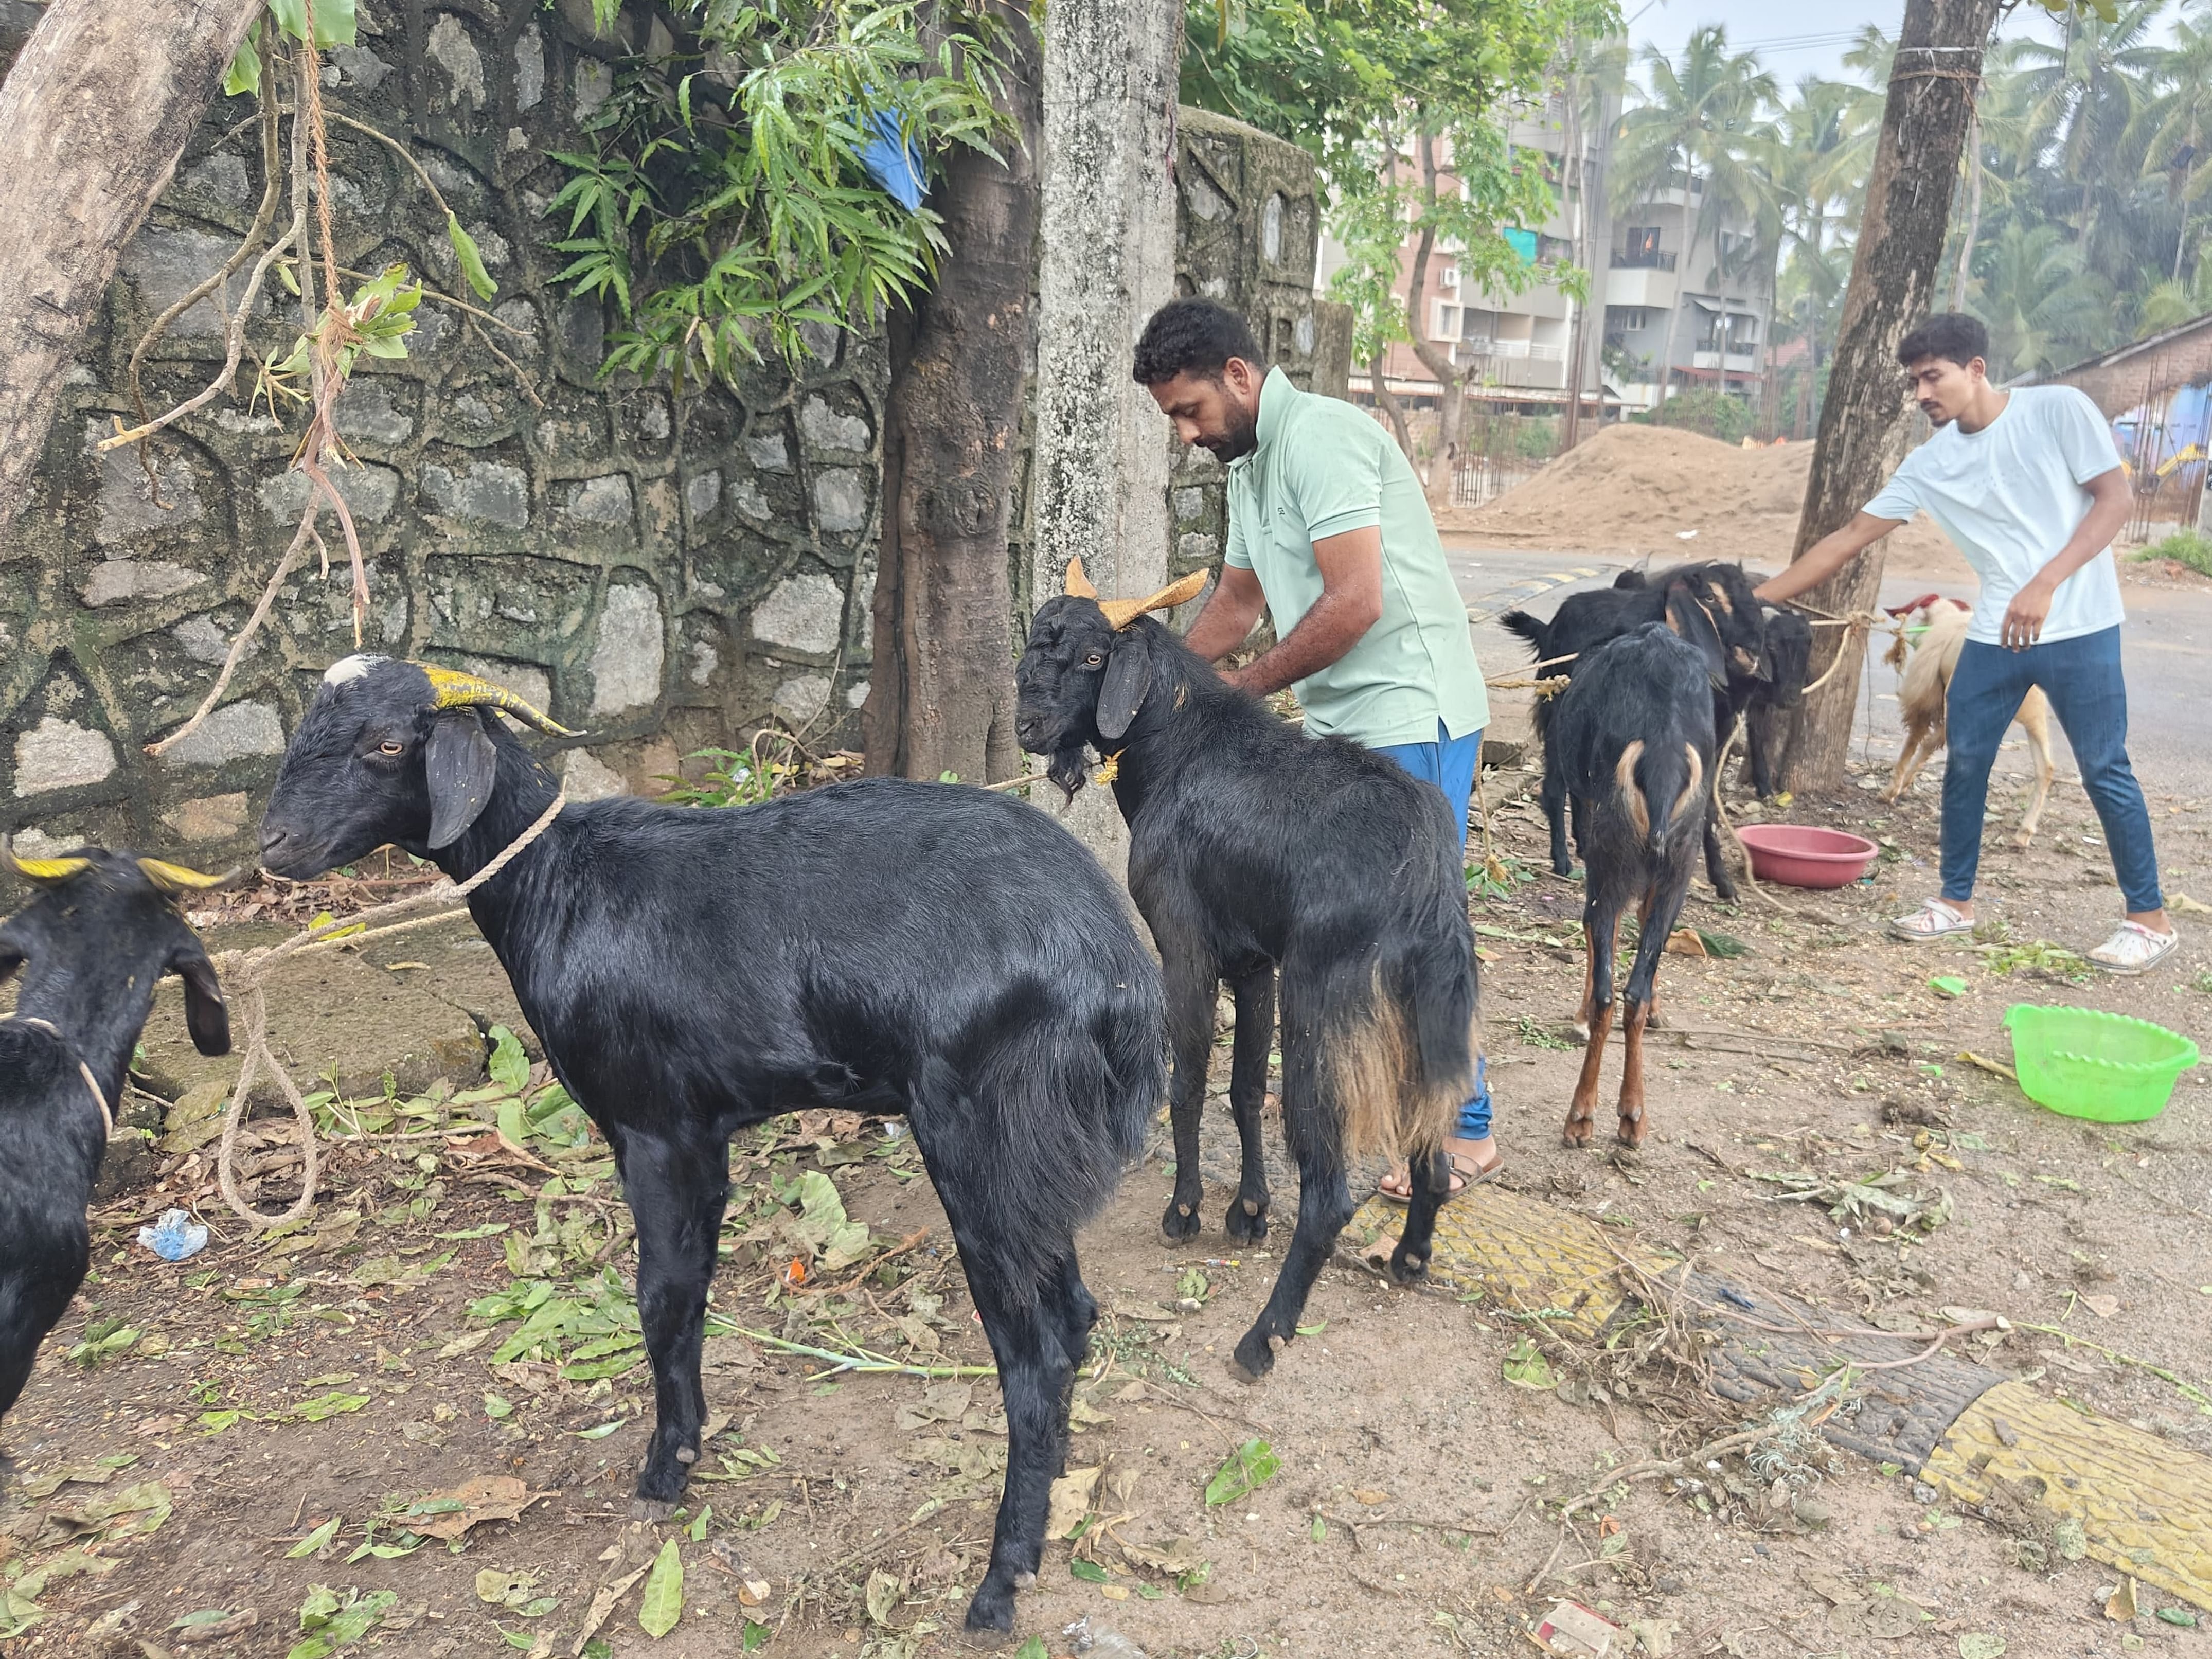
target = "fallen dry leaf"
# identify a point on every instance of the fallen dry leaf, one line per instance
(2103, 1306)
(485, 1497)
(1071, 1501)
(1370, 1499)
(2120, 1605)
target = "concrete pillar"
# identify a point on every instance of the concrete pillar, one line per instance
(1099, 484)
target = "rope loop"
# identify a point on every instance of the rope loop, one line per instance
(246, 972)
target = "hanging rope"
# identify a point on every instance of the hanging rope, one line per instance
(246, 971)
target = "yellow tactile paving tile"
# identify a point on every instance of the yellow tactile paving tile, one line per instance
(1525, 1252)
(2145, 1504)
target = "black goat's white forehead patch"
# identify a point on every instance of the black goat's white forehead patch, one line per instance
(354, 667)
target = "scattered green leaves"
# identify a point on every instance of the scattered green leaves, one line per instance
(1250, 1466)
(330, 1620)
(663, 1604)
(1526, 1366)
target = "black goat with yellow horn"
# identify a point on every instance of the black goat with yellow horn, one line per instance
(101, 929)
(880, 945)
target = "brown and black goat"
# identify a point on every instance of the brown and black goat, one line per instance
(1256, 854)
(1632, 737)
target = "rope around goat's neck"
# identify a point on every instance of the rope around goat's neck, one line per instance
(99, 1094)
(246, 971)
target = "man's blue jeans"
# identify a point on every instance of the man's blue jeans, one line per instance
(2081, 678)
(1450, 764)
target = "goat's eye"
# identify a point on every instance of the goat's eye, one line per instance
(1092, 658)
(391, 746)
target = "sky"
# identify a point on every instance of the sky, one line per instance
(1792, 41)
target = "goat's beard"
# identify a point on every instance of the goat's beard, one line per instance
(1068, 770)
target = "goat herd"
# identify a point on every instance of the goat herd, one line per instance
(950, 954)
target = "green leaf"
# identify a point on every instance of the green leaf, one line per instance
(601, 1431)
(472, 265)
(1949, 985)
(1033, 1649)
(756, 1637)
(664, 1593)
(335, 21)
(324, 1406)
(335, 1624)
(1980, 1644)
(1319, 1531)
(1088, 1571)
(1250, 1466)
(511, 1127)
(244, 72)
(508, 1065)
(2180, 1616)
(1526, 1366)
(697, 1530)
(498, 1407)
(319, 1539)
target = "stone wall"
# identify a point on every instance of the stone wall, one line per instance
(1247, 229)
(661, 575)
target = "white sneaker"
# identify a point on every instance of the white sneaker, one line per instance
(2134, 948)
(1933, 920)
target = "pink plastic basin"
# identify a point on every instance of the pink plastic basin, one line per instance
(1801, 855)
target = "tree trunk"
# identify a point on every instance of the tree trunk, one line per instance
(1974, 213)
(940, 695)
(92, 118)
(1451, 402)
(1865, 420)
(1387, 401)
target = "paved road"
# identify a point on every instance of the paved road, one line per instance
(2168, 645)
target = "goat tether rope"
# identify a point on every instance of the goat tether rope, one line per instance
(245, 970)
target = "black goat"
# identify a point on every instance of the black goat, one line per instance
(1634, 742)
(1772, 709)
(1709, 604)
(880, 945)
(1252, 850)
(1762, 695)
(102, 929)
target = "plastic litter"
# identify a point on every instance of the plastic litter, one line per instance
(1103, 1640)
(174, 1237)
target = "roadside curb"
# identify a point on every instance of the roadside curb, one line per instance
(2145, 1505)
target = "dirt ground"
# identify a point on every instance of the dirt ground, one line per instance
(272, 1439)
(1654, 489)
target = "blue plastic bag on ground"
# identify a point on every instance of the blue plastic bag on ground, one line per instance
(174, 1237)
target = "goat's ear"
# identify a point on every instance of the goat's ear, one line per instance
(1694, 624)
(460, 764)
(1128, 679)
(205, 1015)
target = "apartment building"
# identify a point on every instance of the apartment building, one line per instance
(1519, 347)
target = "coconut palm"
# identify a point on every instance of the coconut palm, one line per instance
(2043, 308)
(1700, 128)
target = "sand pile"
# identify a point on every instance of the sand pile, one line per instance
(1638, 489)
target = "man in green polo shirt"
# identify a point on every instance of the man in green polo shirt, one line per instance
(1329, 532)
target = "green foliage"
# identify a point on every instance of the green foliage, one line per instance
(336, 25)
(1703, 409)
(2184, 547)
(722, 204)
(740, 778)
(662, 1601)
(1386, 96)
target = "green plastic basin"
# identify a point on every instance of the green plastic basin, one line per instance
(2106, 1068)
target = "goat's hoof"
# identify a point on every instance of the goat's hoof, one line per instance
(1252, 1359)
(1576, 1140)
(990, 1621)
(1276, 1345)
(687, 1455)
(1180, 1223)
(651, 1509)
(1407, 1268)
(1582, 1030)
(1247, 1221)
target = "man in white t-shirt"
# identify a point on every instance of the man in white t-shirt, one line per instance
(2028, 484)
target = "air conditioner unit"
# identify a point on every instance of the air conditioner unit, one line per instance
(1448, 279)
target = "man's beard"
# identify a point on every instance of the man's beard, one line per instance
(1242, 438)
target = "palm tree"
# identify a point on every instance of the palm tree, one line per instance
(1699, 129)
(2176, 119)
(2043, 308)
